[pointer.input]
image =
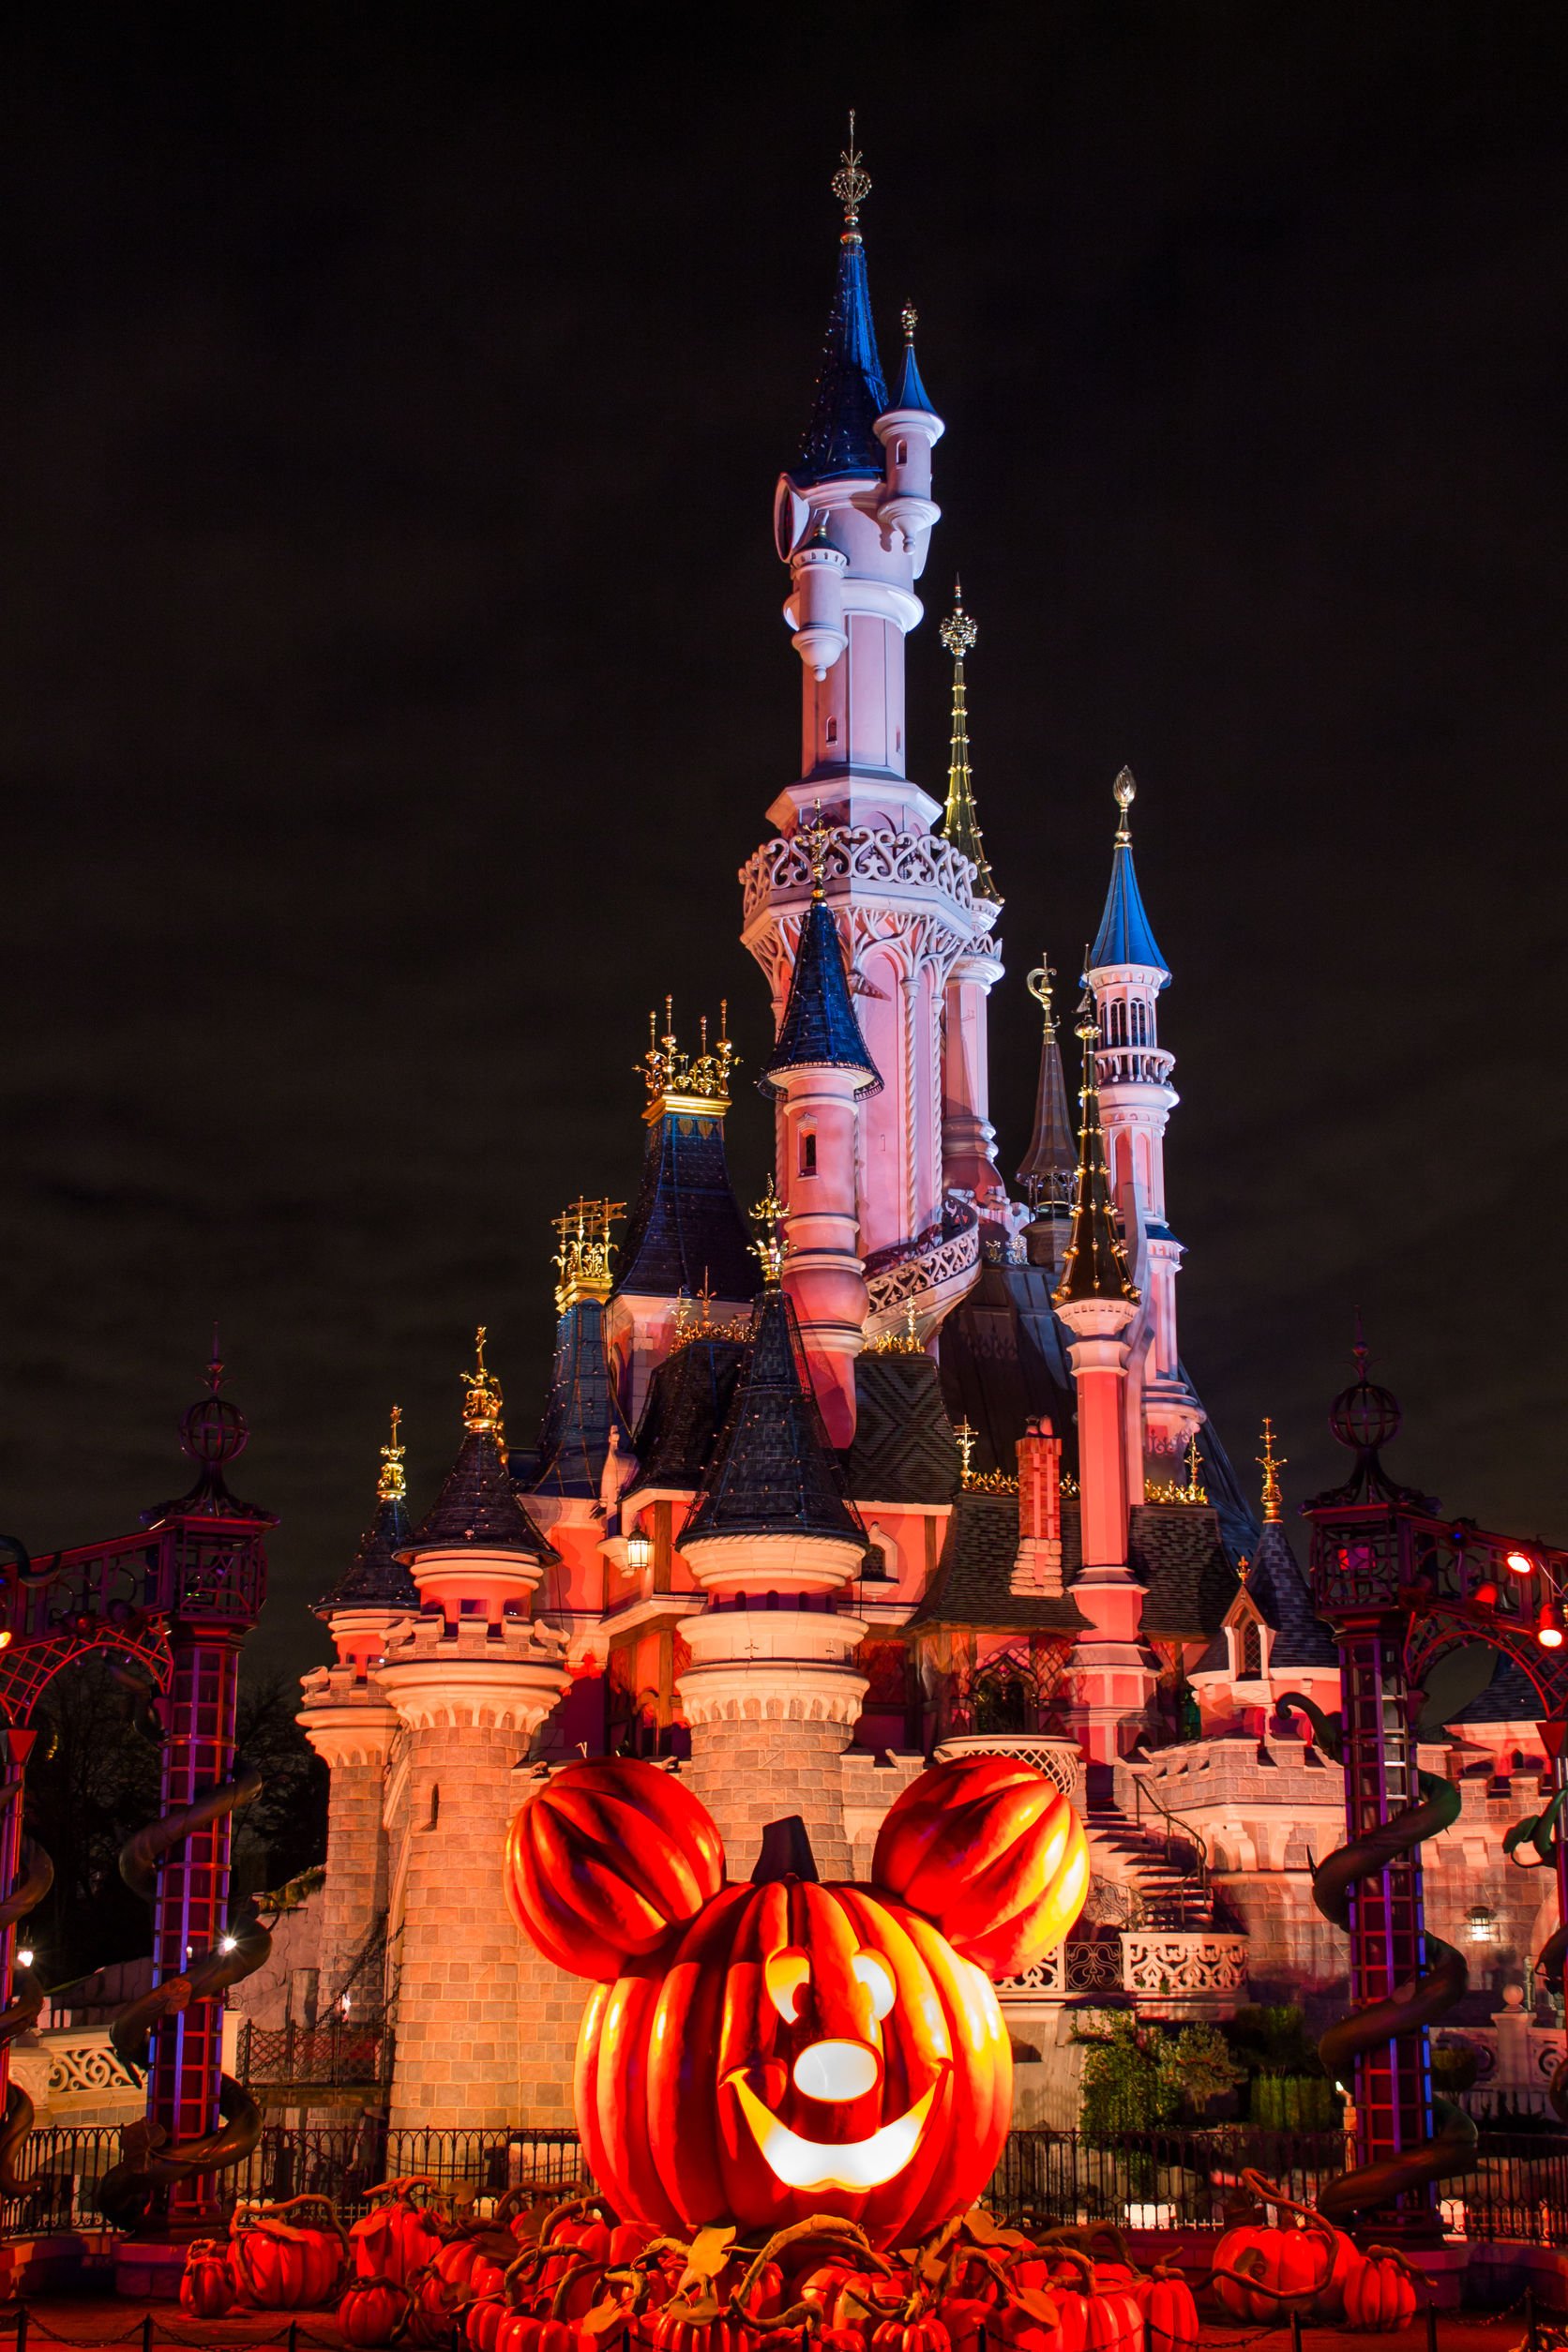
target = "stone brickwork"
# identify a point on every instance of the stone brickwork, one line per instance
(549, 2010)
(750, 1772)
(354, 1898)
(459, 2016)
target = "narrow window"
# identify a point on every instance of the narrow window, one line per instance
(1252, 1652)
(833, 730)
(900, 454)
(809, 1152)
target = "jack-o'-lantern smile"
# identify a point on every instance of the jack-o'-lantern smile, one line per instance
(853, 2164)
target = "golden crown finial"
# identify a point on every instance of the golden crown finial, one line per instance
(1125, 790)
(392, 1487)
(851, 183)
(1039, 984)
(814, 839)
(968, 1438)
(1271, 1464)
(959, 632)
(769, 1214)
(481, 1403)
(698, 1082)
(586, 1249)
(909, 319)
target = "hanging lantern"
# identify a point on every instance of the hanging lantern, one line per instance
(639, 1550)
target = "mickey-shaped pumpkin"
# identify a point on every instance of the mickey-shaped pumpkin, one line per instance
(755, 2054)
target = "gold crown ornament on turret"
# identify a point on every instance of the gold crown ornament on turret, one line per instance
(392, 1485)
(769, 1214)
(961, 824)
(481, 1405)
(586, 1249)
(1271, 1464)
(698, 1083)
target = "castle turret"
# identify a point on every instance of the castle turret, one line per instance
(968, 1136)
(686, 1236)
(853, 521)
(471, 1678)
(1048, 1168)
(350, 1724)
(818, 1072)
(1097, 1298)
(773, 1541)
(1127, 973)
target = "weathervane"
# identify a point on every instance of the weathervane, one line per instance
(1039, 984)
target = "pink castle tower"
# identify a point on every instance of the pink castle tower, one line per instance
(1114, 1668)
(1127, 973)
(853, 522)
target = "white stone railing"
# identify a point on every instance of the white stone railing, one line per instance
(1184, 1972)
(931, 1276)
(860, 854)
(85, 2067)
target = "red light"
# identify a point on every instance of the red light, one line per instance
(1521, 1563)
(1485, 1596)
(5, 1637)
(1548, 1626)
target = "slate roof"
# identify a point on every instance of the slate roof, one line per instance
(1278, 1585)
(377, 1578)
(1510, 1696)
(850, 393)
(819, 1030)
(911, 392)
(1048, 1168)
(903, 1449)
(1124, 936)
(478, 1505)
(686, 1231)
(1175, 1550)
(689, 1397)
(1005, 1363)
(771, 1472)
(975, 1569)
(580, 1412)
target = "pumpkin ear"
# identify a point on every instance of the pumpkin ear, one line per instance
(991, 1852)
(604, 1860)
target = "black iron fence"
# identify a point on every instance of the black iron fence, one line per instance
(1516, 2188)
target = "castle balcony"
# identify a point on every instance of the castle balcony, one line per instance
(912, 889)
(1176, 1975)
(1060, 1760)
(1134, 1065)
(929, 1273)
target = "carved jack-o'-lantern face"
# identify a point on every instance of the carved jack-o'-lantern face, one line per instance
(794, 2047)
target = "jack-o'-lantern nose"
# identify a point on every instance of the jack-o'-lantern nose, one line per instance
(837, 2070)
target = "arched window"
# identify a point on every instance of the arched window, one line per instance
(1250, 1652)
(808, 1151)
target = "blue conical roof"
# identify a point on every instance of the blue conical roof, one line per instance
(819, 1030)
(1124, 936)
(771, 1472)
(850, 393)
(911, 393)
(582, 1408)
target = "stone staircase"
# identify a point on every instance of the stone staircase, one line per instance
(1167, 1871)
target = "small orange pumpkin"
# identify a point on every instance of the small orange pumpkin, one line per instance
(371, 2310)
(1379, 2295)
(206, 2283)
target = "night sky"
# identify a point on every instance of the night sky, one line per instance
(394, 677)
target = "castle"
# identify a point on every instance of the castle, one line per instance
(914, 1468)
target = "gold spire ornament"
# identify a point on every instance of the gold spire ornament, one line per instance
(1039, 984)
(696, 1083)
(909, 317)
(1125, 790)
(968, 1438)
(1195, 1472)
(769, 1212)
(961, 824)
(1271, 1464)
(816, 839)
(1094, 1264)
(852, 185)
(392, 1485)
(481, 1405)
(586, 1249)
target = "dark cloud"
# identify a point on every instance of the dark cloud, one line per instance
(391, 679)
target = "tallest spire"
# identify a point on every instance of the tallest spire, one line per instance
(851, 391)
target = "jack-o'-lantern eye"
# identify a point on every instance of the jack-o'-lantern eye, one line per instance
(877, 1977)
(787, 1975)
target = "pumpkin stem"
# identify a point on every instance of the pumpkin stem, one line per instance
(1270, 2194)
(577, 2263)
(786, 1852)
